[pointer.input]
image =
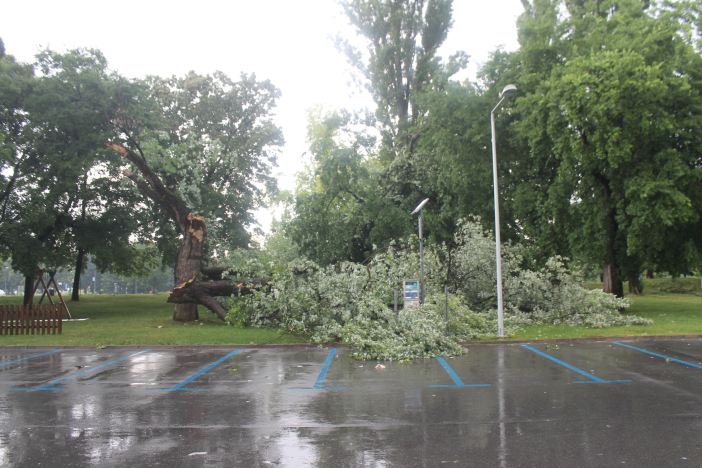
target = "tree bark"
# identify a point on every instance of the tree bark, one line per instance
(649, 274)
(612, 281)
(203, 292)
(189, 264)
(75, 293)
(28, 290)
(635, 286)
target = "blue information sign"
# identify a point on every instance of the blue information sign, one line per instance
(410, 293)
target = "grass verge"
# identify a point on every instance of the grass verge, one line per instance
(672, 314)
(146, 320)
(142, 319)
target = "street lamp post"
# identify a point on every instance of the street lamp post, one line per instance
(498, 252)
(421, 249)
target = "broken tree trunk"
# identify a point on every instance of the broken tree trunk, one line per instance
(189, 262)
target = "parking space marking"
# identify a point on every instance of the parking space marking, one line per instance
(457, 382)
(319, 383)
(662, 356)
(591, 378)
(51, 384)
(27, 358)
(182, 385)
(325, 368)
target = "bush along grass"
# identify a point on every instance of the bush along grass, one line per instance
(668, 285)
(671, 314)
(352, 303)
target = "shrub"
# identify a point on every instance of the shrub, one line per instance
(550, 295)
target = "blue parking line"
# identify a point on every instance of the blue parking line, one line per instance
(182, 385)
(662, 356)
(51, 384)
(591, 378)
(27, 358)
(319, 383)
(325, 369)
(457, 382)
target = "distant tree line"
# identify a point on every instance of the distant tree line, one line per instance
(94, 281)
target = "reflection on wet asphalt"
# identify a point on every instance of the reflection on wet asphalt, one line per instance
(586, 404)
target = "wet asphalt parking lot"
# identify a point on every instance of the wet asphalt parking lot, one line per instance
(580, 404)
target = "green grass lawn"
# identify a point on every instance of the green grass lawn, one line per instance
(146, 320)
(142, 319)
(672, 314)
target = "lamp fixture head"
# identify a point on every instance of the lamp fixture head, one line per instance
(507, 89)
(420, 206)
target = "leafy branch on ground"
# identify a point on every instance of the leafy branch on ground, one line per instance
(352, 303)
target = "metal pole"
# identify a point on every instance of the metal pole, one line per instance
(446, 307)
(498, 253)
(421, 260)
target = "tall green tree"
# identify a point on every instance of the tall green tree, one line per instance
(403, 39)
(401, 64)
(62, 199)
(16, 159)
(614, 132)
(358, 197)
(75, 103)
(341, 210)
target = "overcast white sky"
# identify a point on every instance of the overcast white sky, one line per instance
(289, 42)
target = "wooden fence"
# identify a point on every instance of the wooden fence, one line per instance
(44, 319)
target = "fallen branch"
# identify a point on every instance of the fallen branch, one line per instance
(204, 292)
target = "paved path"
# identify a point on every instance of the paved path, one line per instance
(586, 404)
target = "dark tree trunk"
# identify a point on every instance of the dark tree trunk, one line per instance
(611, 280)
(28, 290)
(649, 274)
(635, 286)
(75, 294)
(611, 276)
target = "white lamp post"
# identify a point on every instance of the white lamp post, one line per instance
(421, 249)
(498, 252)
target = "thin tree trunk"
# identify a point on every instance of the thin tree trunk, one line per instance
(28, 289)
(635, 286)
(75, 294)
(649, 274)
